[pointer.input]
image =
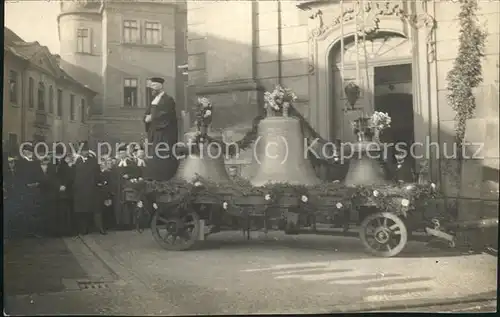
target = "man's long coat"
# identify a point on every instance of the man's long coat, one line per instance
(85, 192)
(162, 128)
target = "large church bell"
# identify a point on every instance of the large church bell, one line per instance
(366, 165)
(280, 153)
(207, 163)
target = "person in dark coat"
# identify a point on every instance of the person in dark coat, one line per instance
(139, 156)
(11, 197)
(161, 127)
(404, 170)
(63, 205)
(49, 188)
(30, 199)
(106, 194)
(124, 169)
(85, 192)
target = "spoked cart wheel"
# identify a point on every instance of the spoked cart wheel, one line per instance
(383, 234)
(175, 232)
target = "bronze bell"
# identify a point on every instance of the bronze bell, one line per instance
(209, 163)
(279, 153)
(366, 162)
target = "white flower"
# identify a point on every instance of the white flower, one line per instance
(140, 179)
(339, 205)
(225, 205)
(197, 184)
(409, 187)
(208, 113)
(204, 101)
(433, 186)
(304, 198)
(375, 193)
(267, 197)
(140, 204)
(155, 206)
(405, 202)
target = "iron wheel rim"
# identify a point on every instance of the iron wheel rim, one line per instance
(179, 232)
(384, 234)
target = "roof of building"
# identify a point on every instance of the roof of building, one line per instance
(28, 50)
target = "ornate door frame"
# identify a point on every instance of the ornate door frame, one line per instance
(388, 17)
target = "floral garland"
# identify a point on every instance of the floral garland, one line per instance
(397, 198)
(466, 73)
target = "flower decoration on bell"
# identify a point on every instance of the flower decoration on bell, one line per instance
(380, 120)
(267, 197)
(304, 199)
(405, 202)
(225, 205)
(279, 98)
(339, 205)
(204, 113)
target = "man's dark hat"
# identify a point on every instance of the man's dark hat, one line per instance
(122, 148)
(157, 80)
(28, 147)
(59, 149)
(84, 145)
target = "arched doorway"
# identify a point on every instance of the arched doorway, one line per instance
(375, 65)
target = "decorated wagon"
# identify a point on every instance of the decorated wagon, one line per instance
(285, 193)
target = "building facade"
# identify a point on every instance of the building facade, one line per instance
(115, 47)
(397, 52)
(40, 101)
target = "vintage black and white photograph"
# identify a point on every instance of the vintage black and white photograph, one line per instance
(237, 157)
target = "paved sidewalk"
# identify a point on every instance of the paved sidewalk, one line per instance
(38, 266)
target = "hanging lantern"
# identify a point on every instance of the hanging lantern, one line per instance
(352, 92)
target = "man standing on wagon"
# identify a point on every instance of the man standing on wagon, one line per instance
(161, 126)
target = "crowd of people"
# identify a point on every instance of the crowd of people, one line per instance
(65, 194)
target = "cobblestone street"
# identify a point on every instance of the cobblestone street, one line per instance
(229, 275)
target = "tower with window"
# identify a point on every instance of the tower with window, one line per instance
(80, 28)
(114, 47)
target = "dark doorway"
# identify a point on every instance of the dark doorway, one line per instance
(393, 95)
(400, 109)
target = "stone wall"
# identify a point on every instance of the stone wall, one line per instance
(478, 190)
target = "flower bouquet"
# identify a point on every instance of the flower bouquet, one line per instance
(379, 121)
(279, 101)
(203, 115)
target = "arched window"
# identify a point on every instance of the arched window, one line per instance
(41, 96)
(51, 99)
